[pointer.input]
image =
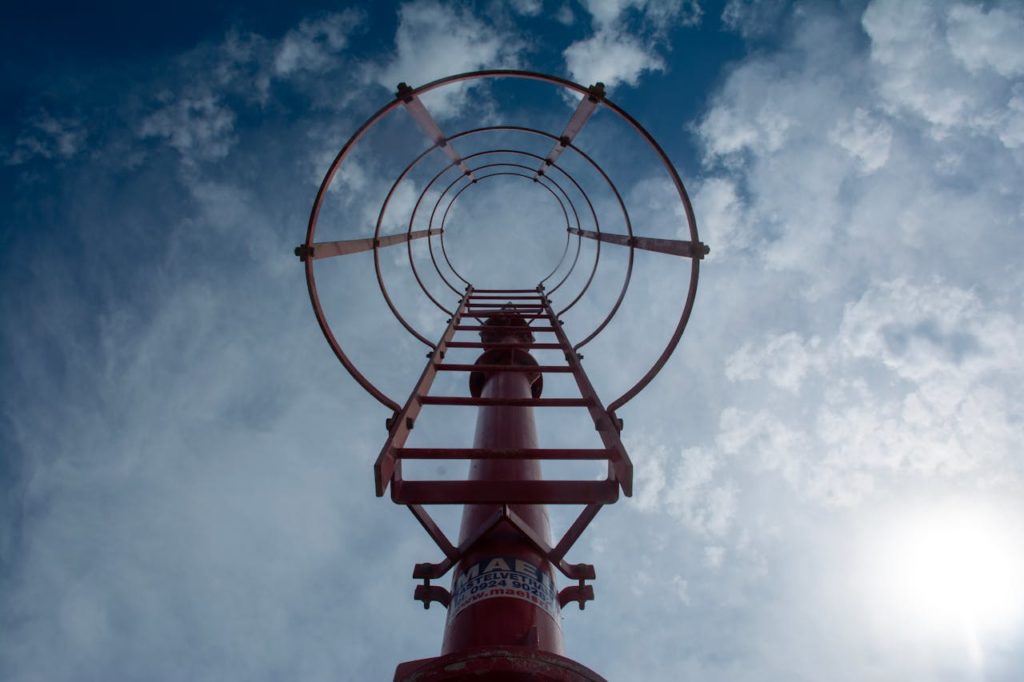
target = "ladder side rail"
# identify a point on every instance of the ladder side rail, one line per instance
(402, 422)
(607, 427)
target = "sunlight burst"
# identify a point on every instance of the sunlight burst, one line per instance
(951, 570)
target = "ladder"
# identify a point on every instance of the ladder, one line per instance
(532, 305)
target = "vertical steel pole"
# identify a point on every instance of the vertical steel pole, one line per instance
(503, 589)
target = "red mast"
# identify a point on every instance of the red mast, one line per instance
(502, 557)
(503, 604)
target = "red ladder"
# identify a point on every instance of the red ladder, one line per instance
(533, 305)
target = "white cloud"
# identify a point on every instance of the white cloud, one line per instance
(916, 379)
(865, 137)
(722, 216)
(198, 125)
(951, 68)
(314, 45)
(435, 40)
(987, 39)
(661, 14)
(783, 360)
(528, 8)
(610, 58)
(615, 54)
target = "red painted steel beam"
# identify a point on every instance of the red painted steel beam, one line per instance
(506, 291)
(477, 344)
(478, 328)
(673, 247)
(511, 402)
(501, 453)
(429, 126)
(498, 663)
(455, 367)
(449, 550)
(584, 110)
(348, 246)
(504, 492)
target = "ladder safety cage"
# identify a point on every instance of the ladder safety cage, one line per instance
(511, 316)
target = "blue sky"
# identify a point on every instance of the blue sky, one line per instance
(829, 479)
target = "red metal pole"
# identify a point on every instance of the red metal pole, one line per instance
(503, 589)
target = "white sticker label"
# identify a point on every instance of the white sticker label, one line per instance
(504, 577)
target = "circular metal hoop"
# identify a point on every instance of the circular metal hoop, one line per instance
(307, 249)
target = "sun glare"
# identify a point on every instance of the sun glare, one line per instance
(950, 571)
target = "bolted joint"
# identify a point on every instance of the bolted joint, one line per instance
(596, 92)
(699, 250)
(304, 252)
(391, 421)
(404, 93)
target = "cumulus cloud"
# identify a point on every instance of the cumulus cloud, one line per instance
(886, 370)
(528, 8)
(952, 68)
(610, 58)
(660, 13)
(199, 126)
(989, 38)
(314, 45)
(916, 379)
(615, 53)
(865, 138)
(435, 40)
(783, 360)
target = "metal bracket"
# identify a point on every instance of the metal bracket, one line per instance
(389, 423)
(428, 593)
(581, 594)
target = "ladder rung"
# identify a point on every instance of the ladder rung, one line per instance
(503, 291)
(501, 453)
(488, 313)
(508, 308)
(481, 344)
(455, 367)
(501, 328)
(506, 296)
(510, 402)
(505, 492)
